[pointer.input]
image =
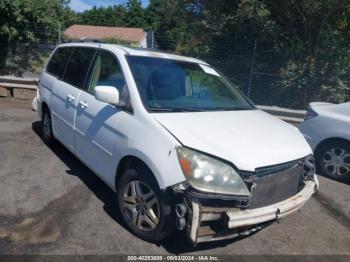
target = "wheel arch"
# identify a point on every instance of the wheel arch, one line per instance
(329, 140)
(129, 161)
(44, 106)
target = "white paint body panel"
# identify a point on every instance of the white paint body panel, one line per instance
(333, 121)
(96, 139)
(64, 99)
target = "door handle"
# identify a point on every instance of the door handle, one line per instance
(83, 104)
(70, 98)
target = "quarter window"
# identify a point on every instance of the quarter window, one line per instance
(58, 61)
(78, 66)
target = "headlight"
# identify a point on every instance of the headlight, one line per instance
(210, 175)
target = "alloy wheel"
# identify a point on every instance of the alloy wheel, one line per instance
(336, 162)
(141, 205)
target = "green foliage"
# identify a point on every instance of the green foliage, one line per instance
(310, 37)
(118, 41)
(104, 16)
(317, 56)
(131, 15)
(254, 18)
(135, 14)
(155, 14)
(28, 22)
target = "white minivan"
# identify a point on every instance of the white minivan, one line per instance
(179, 144)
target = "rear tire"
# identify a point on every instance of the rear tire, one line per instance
(333, 159)
(145, 209)
(46, 128)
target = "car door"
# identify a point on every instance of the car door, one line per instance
(97, 133)
(66, 92)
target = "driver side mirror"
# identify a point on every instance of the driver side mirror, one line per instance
(107, 94)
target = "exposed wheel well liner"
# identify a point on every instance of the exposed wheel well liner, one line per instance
(127, 162)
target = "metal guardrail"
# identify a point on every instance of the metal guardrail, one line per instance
(18, 82)
(289, 115)
(18, 87)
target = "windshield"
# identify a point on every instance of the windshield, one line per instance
(170, 85)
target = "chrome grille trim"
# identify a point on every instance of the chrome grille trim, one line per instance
(263, 171)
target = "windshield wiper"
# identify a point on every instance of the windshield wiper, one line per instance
(191, 109)
(178, 109)
(232, 108)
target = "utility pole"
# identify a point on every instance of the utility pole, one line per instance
(252, 66)
(59, 33)
(152, 43)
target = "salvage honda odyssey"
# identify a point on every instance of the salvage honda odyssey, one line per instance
(179, 144)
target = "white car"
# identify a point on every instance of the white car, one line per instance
(182, 147)
(327, 129)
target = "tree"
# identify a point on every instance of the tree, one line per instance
(26, 22)
(135, 14)
(104, 16)
(317, 50)
(155, 14)
(310, 37)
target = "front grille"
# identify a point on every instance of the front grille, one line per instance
(275, 184)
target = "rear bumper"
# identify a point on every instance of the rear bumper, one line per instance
(235, 222)
(36, 105)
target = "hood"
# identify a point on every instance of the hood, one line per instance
(248, 139)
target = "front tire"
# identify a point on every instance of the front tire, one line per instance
(145, 209)
(333, 159)
(46, 128)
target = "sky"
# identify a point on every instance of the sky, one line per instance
(82, 5)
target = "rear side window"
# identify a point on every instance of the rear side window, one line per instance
(58, 61)
(78, 66)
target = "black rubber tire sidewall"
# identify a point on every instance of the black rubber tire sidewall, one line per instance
(166, 221)
(50, 141)
(322, 150)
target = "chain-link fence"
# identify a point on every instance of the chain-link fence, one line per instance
(260, 70)
(254, 67)
(25, 60)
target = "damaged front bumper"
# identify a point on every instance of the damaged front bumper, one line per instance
(208, 223)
